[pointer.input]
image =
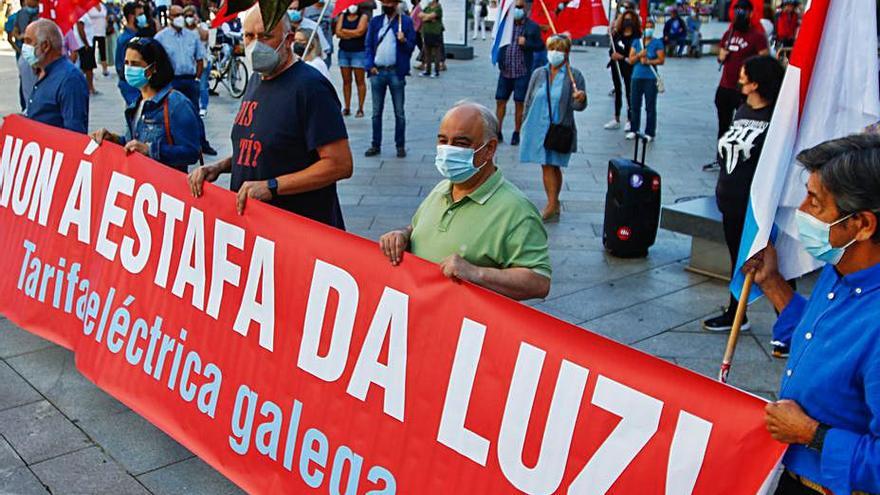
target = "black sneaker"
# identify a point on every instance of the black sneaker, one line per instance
(401, 152)
(500, 137)
(208, 150)
(425, 74)
(514, 140)
(778, 349)
(373, 151)
(724, 323)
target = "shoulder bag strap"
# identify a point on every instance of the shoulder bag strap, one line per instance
(549, 104)
(167, 118)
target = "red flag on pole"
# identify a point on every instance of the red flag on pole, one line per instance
(575, 17)
(65, 13)
(644, 11)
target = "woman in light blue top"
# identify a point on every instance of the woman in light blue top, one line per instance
(644, 56)
(555, 92)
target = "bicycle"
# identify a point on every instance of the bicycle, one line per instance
(230, 70)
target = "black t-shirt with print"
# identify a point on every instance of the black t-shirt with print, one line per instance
(278, 129)
(738, 152)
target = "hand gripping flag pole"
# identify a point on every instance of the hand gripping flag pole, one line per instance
(737, 324)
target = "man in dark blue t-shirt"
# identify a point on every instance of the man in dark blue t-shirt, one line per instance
(289, 143)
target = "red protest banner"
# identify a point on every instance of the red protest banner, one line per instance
(290, 355)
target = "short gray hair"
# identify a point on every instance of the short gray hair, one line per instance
(47, 30)
(490, 122)
(849, 168)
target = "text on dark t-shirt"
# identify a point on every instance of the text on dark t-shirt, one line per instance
(738, 152)
(279, 126)
(740, 45)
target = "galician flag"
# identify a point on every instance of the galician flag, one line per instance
(829, 91)
(502, 31)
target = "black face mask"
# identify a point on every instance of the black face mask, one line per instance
(741, 20)
(627, 24)
(388, 10)
(299, 48)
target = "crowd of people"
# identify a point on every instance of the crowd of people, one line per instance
(475, 224)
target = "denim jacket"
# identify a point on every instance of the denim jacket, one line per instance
(150, 129)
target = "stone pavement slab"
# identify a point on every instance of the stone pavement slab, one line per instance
(38, 431)
(87, 472)
(189, 476)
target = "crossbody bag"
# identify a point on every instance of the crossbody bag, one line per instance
(559, 137)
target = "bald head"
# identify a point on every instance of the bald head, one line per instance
(175, 10)
(45, 36)
(475, 117)
(255, 29)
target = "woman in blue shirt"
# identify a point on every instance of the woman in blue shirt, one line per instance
(162, 123)
(644, 56)
(829, 407)
(555, 92)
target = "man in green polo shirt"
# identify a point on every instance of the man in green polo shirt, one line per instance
(478, 226)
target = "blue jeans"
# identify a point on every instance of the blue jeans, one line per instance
(388, 78)
(203, 87)
(648, 89)
(190, 88)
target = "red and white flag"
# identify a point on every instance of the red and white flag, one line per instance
(830, 90)
(577, 18)
(65, 13)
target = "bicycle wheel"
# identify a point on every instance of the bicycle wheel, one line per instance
(238, 78)
(214, 78)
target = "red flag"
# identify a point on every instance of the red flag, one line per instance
(222, 16)
(341, 5)
(65, 13)
(575, 17)
(644, 11)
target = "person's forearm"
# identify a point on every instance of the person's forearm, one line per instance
(515, 283)
(778, 292)
(319, 174)
(223, 166)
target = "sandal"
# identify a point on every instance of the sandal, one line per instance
(359, 114)
(346, 112)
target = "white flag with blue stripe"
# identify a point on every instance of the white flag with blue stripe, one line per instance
(502, 31)
(830, 90)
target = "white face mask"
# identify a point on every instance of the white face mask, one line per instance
(352, 9)
(178, 22)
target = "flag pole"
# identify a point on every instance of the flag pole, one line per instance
(314, 31)
(553, 28)
(737, 324)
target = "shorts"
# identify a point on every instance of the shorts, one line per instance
(518, 86)
(354, 60)
(87, 58)
(101, 46)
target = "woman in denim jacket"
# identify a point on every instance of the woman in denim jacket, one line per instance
(162, 123)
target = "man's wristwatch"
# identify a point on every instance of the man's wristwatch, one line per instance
(818, 440)
(272, 184)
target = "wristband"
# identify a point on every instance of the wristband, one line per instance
(818, 440)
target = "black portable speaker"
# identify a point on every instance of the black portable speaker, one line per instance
(632, 205)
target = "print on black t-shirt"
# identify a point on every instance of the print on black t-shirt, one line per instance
(739, 150)
(278, 129)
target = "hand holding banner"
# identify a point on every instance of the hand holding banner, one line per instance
(290, 355)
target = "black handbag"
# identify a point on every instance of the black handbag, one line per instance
(559, 137)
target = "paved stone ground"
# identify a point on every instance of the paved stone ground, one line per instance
(59, 432)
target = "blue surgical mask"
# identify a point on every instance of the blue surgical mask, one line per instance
(136, 76)
(815, 237)
(518, 13)
(141, 21)
(32, 10)
(456, 163)
(29, 54)
(555, 57)
(294, 15)
(649, 33)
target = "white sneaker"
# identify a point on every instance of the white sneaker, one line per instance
(203, 113)
(648, 139)
(630, 135)
(627, 127)
(612, 125)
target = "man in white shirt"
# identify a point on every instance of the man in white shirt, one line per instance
(98, 17)
(85, 31)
